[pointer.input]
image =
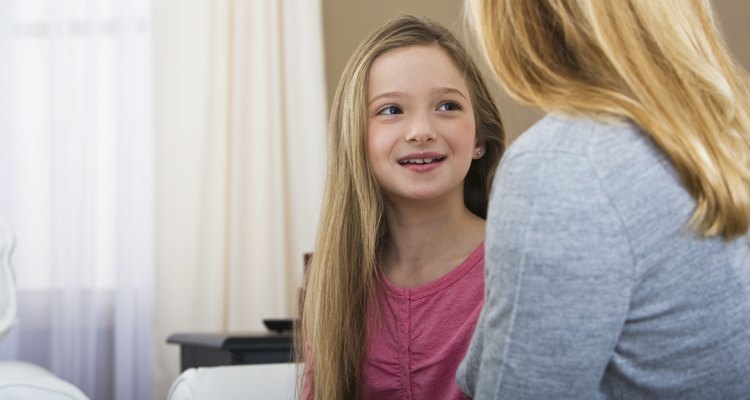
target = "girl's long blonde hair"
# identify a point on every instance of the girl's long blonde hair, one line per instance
(659, 63)
(343, 271)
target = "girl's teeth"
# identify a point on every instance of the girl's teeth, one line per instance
(419, 161)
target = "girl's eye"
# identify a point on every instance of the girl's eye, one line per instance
(390, 110)
(449, 106)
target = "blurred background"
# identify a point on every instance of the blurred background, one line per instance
(162, 164)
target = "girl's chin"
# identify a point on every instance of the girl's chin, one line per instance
(420, 196)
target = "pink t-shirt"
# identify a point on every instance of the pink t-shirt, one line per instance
(423, 335)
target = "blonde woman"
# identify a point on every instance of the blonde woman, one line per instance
(396, 282)
(618, 259)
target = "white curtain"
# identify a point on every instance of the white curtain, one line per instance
(240, 120)
(76, 187)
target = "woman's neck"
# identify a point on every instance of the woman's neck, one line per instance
(427, 241)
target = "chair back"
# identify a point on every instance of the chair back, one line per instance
(8, 304)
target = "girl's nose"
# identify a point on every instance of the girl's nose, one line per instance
(420, 130)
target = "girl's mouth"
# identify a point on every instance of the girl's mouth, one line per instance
(420, 161)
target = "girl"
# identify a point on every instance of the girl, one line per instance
(618, 259)
(395, 286)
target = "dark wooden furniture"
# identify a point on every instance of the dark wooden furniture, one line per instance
(232, 348)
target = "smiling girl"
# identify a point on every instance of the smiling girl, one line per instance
(394, 289)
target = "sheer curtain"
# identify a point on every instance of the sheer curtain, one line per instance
(240, 120)
(76, 187)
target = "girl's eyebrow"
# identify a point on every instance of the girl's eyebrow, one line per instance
(385, 94)
(442, 90)
(448, 90)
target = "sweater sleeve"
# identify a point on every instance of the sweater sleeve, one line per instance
(559, 272)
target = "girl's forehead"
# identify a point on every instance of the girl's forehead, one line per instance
(433, 52)
(415, 67)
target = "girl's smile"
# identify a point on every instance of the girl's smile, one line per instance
(422, 162)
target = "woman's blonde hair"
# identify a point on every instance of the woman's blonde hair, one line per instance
(343, 272)
(659, 63)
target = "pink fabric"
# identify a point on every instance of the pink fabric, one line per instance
(423, 334)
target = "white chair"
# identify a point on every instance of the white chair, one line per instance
(8, 305)
(237, 382)
(21, 380)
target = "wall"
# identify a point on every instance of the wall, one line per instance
(733, 17)
(346, 22)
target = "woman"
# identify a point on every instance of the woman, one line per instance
(396, 282)
(618, 259)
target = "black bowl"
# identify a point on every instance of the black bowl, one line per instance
(279, 325)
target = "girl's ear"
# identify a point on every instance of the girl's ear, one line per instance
(478, 151)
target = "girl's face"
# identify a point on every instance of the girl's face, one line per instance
(421, 133)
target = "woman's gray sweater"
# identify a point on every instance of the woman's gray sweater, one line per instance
(595, 288)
